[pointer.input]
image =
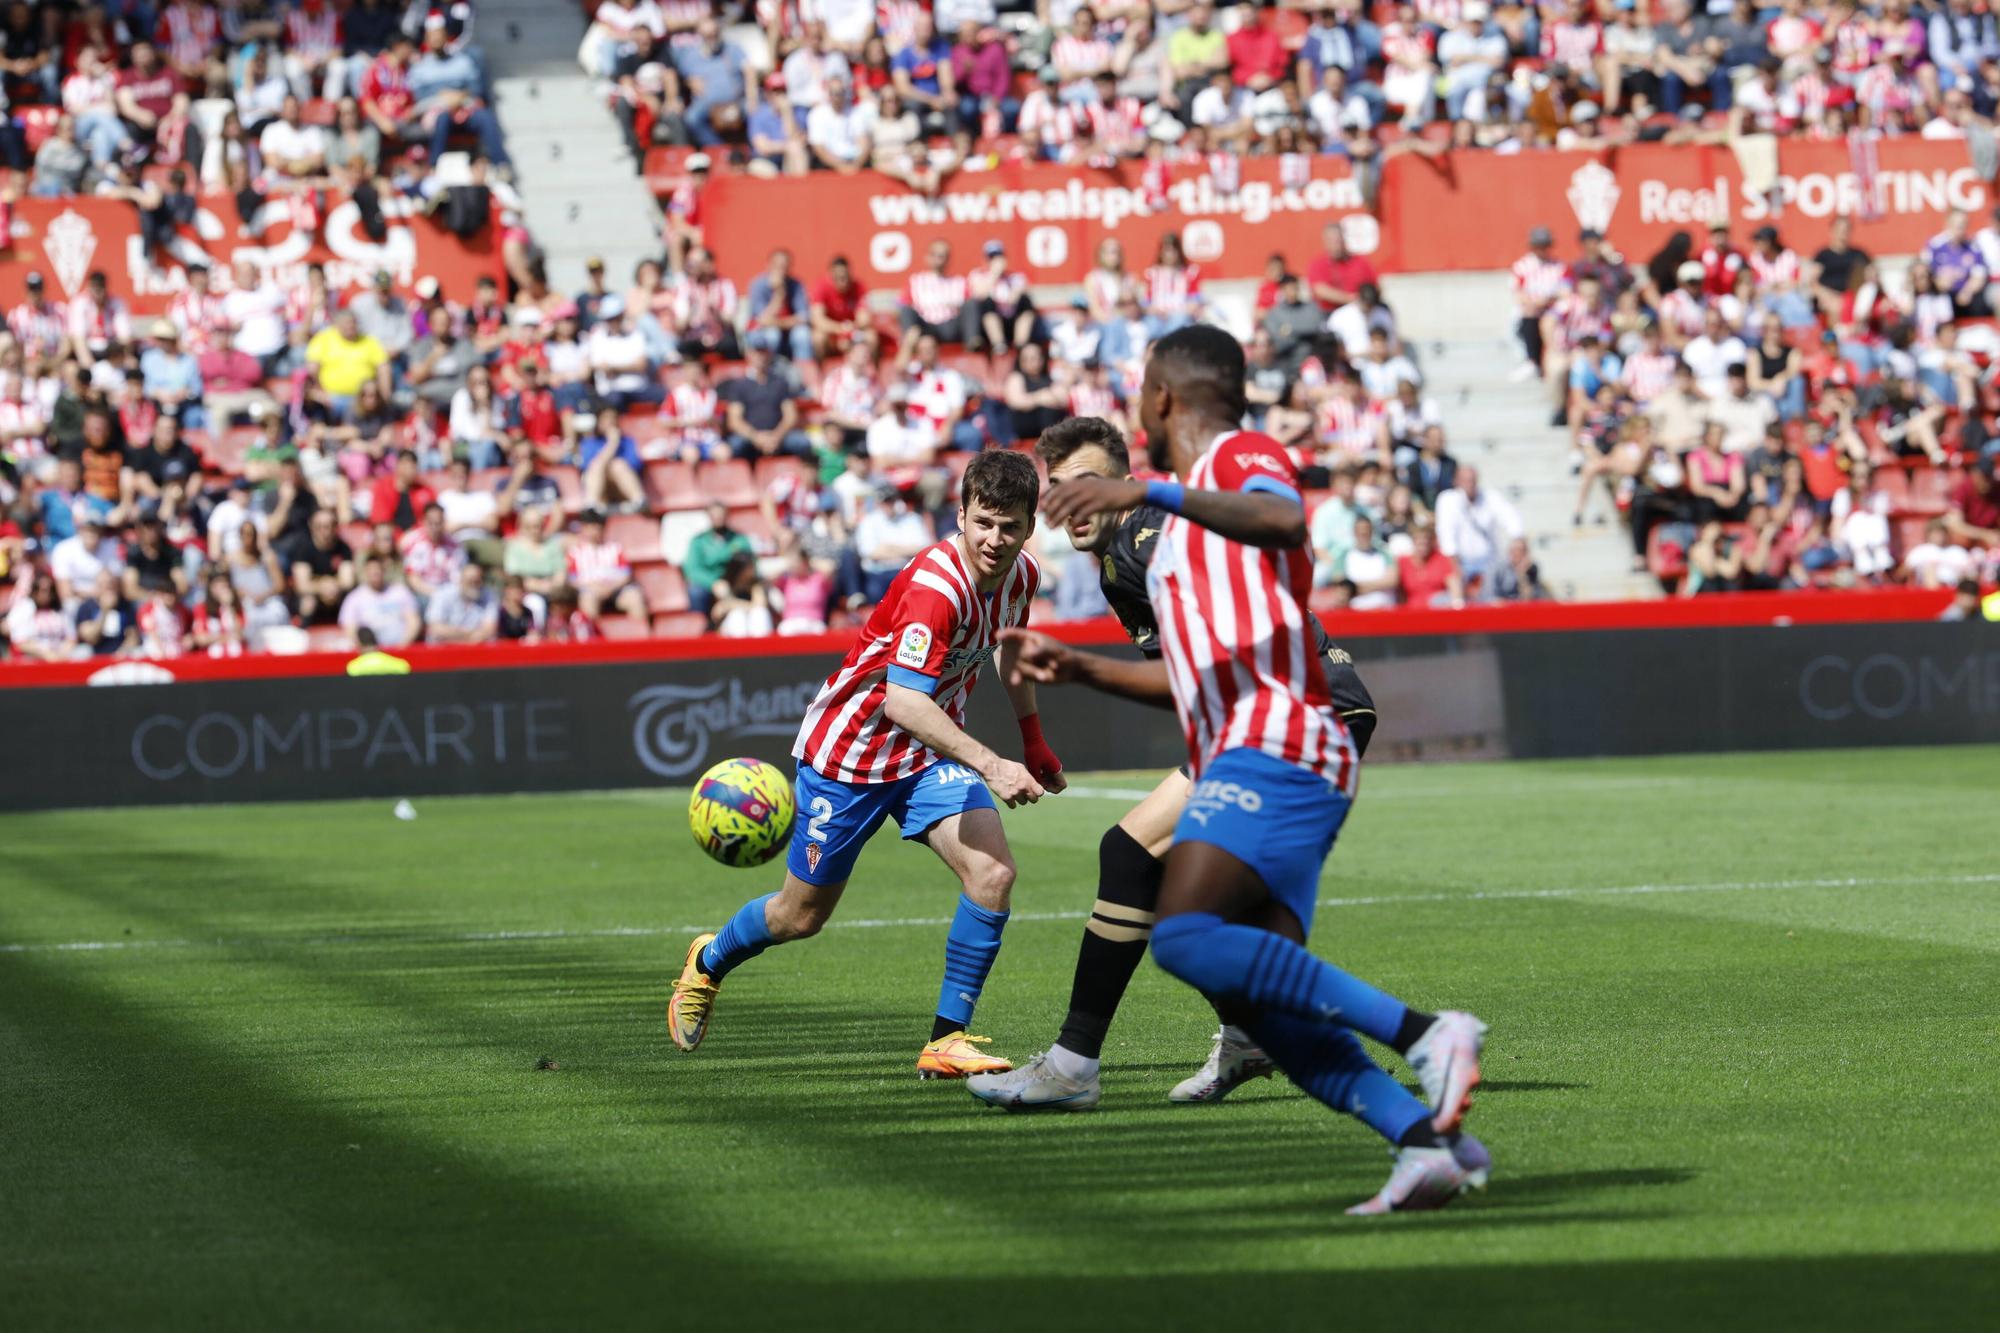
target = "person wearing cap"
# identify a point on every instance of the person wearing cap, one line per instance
(76, 561)
(41, 325)
(1002, 312)
(1539, 281)
(1684, 310)
(777, 141)
(712, 71)
(1597, 260)
(385, 316)
(171, 377)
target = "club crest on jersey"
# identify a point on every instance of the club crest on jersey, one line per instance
(914, 648)
(813, 854)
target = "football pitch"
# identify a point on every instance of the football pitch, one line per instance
(310, 1066)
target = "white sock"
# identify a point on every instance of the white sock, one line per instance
(1235, 1036)
(1068, 1064)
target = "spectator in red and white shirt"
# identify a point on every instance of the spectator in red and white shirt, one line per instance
(97, 319)
(692, 414)
(939, 394)
(704, 307)
(431, 556)
(601, 575)
(849, 395)
(385, 91)
(197, 312)
(1171, 289)
(1539, 279)
(313, 51)
(189, 33)
(934, 299)
(40, 325)
(1047, 124)
(1080, 55)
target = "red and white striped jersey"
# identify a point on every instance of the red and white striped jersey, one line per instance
(896, 20)
(1538, 281)
(1574, 44)
(1080, 57)
(1118, 123)
(1683, 313)
(848, 394)
(1046, 121)
(1092, 400)
(934, 623)
(1240, 652)
(1350, 427)
(1575, 317)
(1171, 291)
(1105, 289)
(187, 33)
(1647, 374)
(1780, 270)
(936, 297)
(39, 328)
(695, 408)
(603, 562)
(434, 563)
(312, 36)
(197, 317)
(704, 306)
(97, 324)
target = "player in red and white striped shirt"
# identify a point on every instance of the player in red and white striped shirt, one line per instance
(1274, 772)
(885, 739)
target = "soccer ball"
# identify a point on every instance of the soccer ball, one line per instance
(741, 812)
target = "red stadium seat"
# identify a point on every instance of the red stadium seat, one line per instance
(770, 469)
(729, 481)
(680, 625)
(623, 627)
(665, 588)
(1930, 489)
(637, 534)
(1894, 485)
(671, 485)
(569, 485)
(750, 521)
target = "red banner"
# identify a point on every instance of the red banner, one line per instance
(1641, 194)
(1050, 218)
(65, 239)
(1457, 211)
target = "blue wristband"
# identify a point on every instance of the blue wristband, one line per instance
(1165, 495)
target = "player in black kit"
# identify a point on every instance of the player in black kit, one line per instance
(1129, 864)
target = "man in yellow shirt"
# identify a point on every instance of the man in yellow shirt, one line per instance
(345, 358)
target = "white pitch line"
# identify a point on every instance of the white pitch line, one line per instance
(911, 922)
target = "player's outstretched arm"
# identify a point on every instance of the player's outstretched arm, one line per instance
(1049, 661)
(1262, 518)
(918, 713)
(1035, 752)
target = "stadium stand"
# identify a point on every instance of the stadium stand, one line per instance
(285, 454)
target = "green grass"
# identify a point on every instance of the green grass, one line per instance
(298, 1089)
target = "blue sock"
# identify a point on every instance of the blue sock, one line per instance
(969, 951)
(1329, 1063)
(742, 939)
(1249, 966)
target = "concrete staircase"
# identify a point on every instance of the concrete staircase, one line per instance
(581, 191)
(1461, 326)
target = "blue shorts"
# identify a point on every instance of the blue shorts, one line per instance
(1274, 817)
(835, 818)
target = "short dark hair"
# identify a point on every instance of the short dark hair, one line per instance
(1064, 438)
(1003, 481)
(1203, 364)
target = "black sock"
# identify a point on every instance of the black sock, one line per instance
(1415, 1025)
(1114, 939)
(1420, 1135)
(942, 1026)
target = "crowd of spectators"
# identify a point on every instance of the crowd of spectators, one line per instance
(919, 91)
(304, 102)
(1768, 420)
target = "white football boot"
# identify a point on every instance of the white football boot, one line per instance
(1430, 1178)
(1035, 1086)
(1446, 1061)
(1234, 1061)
